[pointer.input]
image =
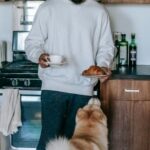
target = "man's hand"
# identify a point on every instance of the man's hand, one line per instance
(107, 72)
(43, 60)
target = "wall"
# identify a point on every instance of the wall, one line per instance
(6, 20)
(133, 18)
(124, 18)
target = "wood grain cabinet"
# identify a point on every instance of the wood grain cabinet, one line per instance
(127, 105)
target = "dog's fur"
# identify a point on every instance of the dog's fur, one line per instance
(90, 131)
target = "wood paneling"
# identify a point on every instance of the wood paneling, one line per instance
(129, 122)
(120, 125)
(128, 114)
(141, 125)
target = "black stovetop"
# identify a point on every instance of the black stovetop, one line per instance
(21, 74)
(19, 69)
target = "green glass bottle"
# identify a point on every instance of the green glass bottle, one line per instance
(123, 51)
(117, 42)
(132, 51)
(117, 37)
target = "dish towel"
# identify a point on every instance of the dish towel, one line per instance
(10, 111)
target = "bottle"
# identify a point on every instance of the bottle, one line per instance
(116, 38)
(132, 51)
(123, 51)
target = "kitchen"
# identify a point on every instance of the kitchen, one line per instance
(125, 18)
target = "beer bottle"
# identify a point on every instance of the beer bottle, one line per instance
(123, 51)
(132, 51)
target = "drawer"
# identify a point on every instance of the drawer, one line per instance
(129, 89)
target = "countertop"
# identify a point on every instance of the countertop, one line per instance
(140, 72)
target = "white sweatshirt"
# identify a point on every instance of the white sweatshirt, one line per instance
(81, 33)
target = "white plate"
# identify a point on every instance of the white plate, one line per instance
(95, 76)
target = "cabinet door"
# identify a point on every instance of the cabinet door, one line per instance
(120, 125)
(141, 125)
(129, 125)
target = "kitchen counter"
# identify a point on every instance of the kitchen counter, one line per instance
(126, 101)
(140, 72)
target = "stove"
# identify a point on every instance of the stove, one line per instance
(21, 73)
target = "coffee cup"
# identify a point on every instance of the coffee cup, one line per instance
(56, 59)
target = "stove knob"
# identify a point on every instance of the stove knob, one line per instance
(27, 82)
(14, 82)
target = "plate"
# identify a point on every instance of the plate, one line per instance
(95, 76)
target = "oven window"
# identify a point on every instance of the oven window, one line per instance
(28, 135)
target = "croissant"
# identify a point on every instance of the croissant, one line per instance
(93, 70)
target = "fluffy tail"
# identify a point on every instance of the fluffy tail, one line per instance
(59, 144)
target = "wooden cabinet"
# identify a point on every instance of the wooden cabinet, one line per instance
(127, 1)
(127, 105)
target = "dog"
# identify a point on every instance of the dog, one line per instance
(90, 131)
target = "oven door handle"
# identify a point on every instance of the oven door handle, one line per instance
(30, 95)
(30, 98)
(35, 98)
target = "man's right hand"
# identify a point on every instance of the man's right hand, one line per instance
(43, 60)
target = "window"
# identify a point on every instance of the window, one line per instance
(24, 14)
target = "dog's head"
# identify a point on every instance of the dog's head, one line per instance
(91, 114)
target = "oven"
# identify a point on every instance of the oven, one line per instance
(23, 75)
(28, 134)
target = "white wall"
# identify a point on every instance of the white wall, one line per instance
(6, 20)
(133, 18)
(124, 18)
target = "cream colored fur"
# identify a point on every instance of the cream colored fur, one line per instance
(90, 131)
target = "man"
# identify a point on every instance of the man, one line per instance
(80, 31)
